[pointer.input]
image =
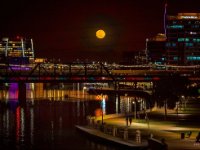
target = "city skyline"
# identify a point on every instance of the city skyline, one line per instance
(66, 30)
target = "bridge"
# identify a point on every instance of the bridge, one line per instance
(94, 72)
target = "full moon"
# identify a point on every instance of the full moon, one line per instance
(100, 34)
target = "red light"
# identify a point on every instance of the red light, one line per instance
(18, 37)
(18, 123)
(98, 112)
(156, 78)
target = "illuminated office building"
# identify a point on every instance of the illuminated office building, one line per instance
(16, 51)
(183, 39)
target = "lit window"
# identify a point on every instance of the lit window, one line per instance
(193, 33)
(173, 44)
(168, 44)
(196, 40)
(176, 26)
(181, 39)
(176, 58)
(193, 58)
(195, 26)
(162, 58)
(187, 39)
(188, 44)
(174, 22)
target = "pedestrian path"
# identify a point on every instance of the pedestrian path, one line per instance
(175, 134)
(160, 129)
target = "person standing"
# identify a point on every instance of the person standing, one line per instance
(126, 120)
(130, 120)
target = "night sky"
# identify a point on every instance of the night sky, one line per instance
(66, 29)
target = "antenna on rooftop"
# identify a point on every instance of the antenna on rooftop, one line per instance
(165, 15)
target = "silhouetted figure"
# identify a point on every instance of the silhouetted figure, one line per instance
(130, 120)
(189, 134)
(126, 120)
(146, 117)
(66, 96)
(198, 138)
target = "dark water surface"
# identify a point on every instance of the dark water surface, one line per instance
(47, 124)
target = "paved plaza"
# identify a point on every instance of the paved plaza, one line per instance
(177, 136)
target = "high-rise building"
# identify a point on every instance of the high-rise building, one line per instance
(17, 51)
(156, 49)
(183, 39)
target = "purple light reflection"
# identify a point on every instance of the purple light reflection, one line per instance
(13, 91)
(17, 68)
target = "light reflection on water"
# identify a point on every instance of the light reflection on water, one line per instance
(46, 122)
(46, 125)
(38, 91)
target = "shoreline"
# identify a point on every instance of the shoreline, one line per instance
(176, 136)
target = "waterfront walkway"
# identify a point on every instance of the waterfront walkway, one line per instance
(112, 139)
(176, 136)
(161, 129)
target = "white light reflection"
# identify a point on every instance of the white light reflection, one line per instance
(31, 125)
(78, 108)
(103, 104)
(117, 104)
(22, 122)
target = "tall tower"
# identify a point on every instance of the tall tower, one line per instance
(164, 18)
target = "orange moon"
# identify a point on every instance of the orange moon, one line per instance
(100, 34)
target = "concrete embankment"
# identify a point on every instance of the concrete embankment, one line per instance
(112, 139)
(115, 129)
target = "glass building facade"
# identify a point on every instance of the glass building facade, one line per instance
(183, 39)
